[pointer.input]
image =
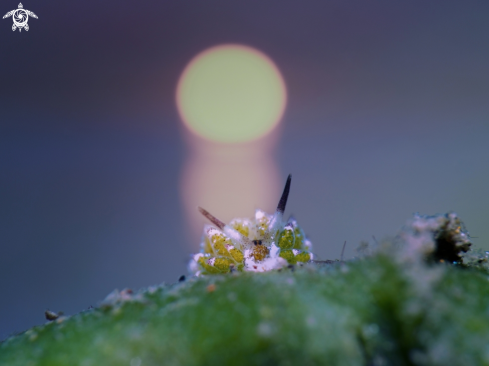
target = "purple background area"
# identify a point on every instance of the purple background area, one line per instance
(387, 115)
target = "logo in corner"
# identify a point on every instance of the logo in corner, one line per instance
(20, 17)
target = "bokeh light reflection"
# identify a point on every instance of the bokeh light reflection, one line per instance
(231, 94)
(228, 180)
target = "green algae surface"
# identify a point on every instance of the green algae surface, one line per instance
(374, 311)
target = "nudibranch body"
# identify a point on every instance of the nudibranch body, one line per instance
(260, 244)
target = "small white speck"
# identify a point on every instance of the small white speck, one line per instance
(197, 256)
(212, 231)
(259, 214)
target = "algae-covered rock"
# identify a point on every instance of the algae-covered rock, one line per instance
(374, 311)
(436, 238)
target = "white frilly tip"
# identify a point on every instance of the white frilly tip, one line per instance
(193, 265)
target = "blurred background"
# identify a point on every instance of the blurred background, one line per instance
(110, 137)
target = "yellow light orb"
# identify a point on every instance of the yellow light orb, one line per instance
(231, 94)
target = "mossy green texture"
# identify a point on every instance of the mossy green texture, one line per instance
(374, 311)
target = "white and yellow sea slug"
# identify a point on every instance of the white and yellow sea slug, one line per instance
(260, 244)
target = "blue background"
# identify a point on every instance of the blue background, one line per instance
(387, 115)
